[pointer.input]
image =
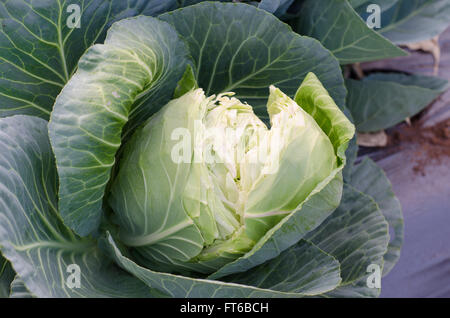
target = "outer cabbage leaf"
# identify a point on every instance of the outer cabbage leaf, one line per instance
(356, 234)
(237, 47)
(341, 30)
(302, 268)
(182, 286)
(19, 290)
(39, 52)
(356, 289)
(120, 82)
(276, 7)
(32, 236)
(411, 21)
(351, 152)
(6, 277)
(382, 100)
(370, 179)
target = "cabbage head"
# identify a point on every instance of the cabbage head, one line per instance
(204, 178)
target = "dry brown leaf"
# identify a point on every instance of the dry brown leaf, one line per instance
(430, 46)
(377, 139)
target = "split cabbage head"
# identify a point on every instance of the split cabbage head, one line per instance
(204, 179)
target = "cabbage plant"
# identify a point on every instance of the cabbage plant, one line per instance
(196, 154)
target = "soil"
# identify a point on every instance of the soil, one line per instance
(432, 143)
